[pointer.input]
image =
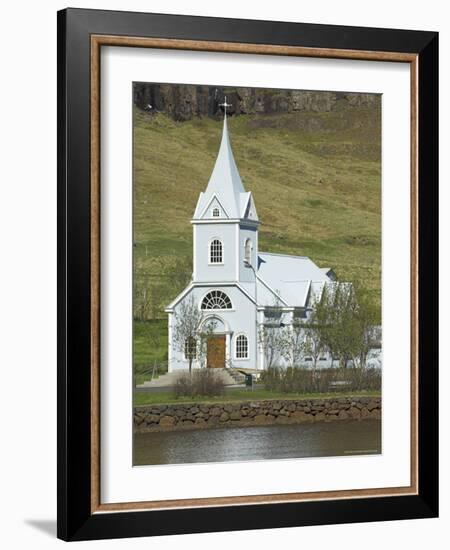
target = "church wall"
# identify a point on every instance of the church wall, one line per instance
(245, 273)
(239, 320)
(203, 270)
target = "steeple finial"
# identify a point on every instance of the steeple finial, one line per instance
(225, 105)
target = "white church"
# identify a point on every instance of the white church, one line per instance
(235, 283)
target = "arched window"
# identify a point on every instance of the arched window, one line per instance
(215, 252)
(190, 348)
(216, 213)
(248, 251)
(242, 347)
(216, 299)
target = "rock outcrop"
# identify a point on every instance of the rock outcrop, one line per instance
(183, 102)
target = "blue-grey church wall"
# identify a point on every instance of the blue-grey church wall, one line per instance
(247, 233)
(204, 234)
(231, 322)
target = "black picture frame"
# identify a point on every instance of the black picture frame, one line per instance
(75, 518)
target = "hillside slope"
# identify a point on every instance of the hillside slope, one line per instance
(315, 177)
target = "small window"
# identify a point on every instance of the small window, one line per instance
(299, 313)
(273, 313)
(216, 252)
(190, 348)
(322, 358)
(242, 347)
(248, 251)
(216, 213)
(308, 358)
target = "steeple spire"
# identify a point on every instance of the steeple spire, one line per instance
(225, 187)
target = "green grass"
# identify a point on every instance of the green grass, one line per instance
(318, 192)
(151, 398)
(150, 332)
(149, 347)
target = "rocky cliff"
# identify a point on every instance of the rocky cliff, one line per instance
(183, 102)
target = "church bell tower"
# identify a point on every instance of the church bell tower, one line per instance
(225, 223)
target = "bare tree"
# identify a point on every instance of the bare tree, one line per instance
(190, 332)
(292, 348)
(297, 341)
(155, 292)
(142, 297)
(272, 335)
(314, 344)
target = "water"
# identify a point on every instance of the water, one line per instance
(343, 437)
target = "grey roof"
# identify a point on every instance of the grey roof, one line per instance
(284, 281)
(293, 279)
(225, 187)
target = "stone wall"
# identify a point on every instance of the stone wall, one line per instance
(253, 413)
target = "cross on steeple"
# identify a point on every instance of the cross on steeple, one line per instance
(225, 105)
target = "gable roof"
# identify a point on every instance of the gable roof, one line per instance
(283, 280)
(225, 183)
(214, 202)
(169, 308)
(290, 278)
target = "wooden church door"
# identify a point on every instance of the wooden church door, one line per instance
(216, 352)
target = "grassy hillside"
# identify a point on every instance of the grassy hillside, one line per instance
(315, 177)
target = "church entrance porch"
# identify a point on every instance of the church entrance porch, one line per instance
(215, 354)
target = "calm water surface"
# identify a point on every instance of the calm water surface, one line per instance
(257, 443)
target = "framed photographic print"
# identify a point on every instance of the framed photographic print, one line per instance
(247, 274)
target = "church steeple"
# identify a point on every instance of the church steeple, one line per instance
(225, 193)
(225, 224)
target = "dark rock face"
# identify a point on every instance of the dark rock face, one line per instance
(183, 102)
(265, 412)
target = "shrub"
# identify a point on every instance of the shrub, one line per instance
(303, 380)
(183, 385)
(361, 379)
(202, 382)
